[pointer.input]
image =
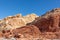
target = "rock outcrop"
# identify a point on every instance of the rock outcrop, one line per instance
(49, 22)
(13, 22)
(31, 26)
(29, 31)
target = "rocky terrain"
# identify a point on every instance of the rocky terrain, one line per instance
(12, 22)
(31, 27)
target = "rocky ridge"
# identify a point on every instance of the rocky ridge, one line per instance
(42, 27)
(12, 22)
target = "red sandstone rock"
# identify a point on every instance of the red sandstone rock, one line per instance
(50, 21)
(42, 24)
(29, 31)
(46, 26)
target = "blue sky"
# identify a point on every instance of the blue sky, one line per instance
(39, 7)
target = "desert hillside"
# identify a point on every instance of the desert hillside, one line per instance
(31, 27)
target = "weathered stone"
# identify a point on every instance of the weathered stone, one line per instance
(29, 31)
(13, 22)
(43, 27)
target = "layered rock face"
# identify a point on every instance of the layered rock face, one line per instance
(29, 31)
(31, 26)
(13, 22)
(49, 24)
(50, 21)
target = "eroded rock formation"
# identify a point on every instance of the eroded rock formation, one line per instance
(43, 27)
(13, 22)
(49, 22)
(29, 31)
